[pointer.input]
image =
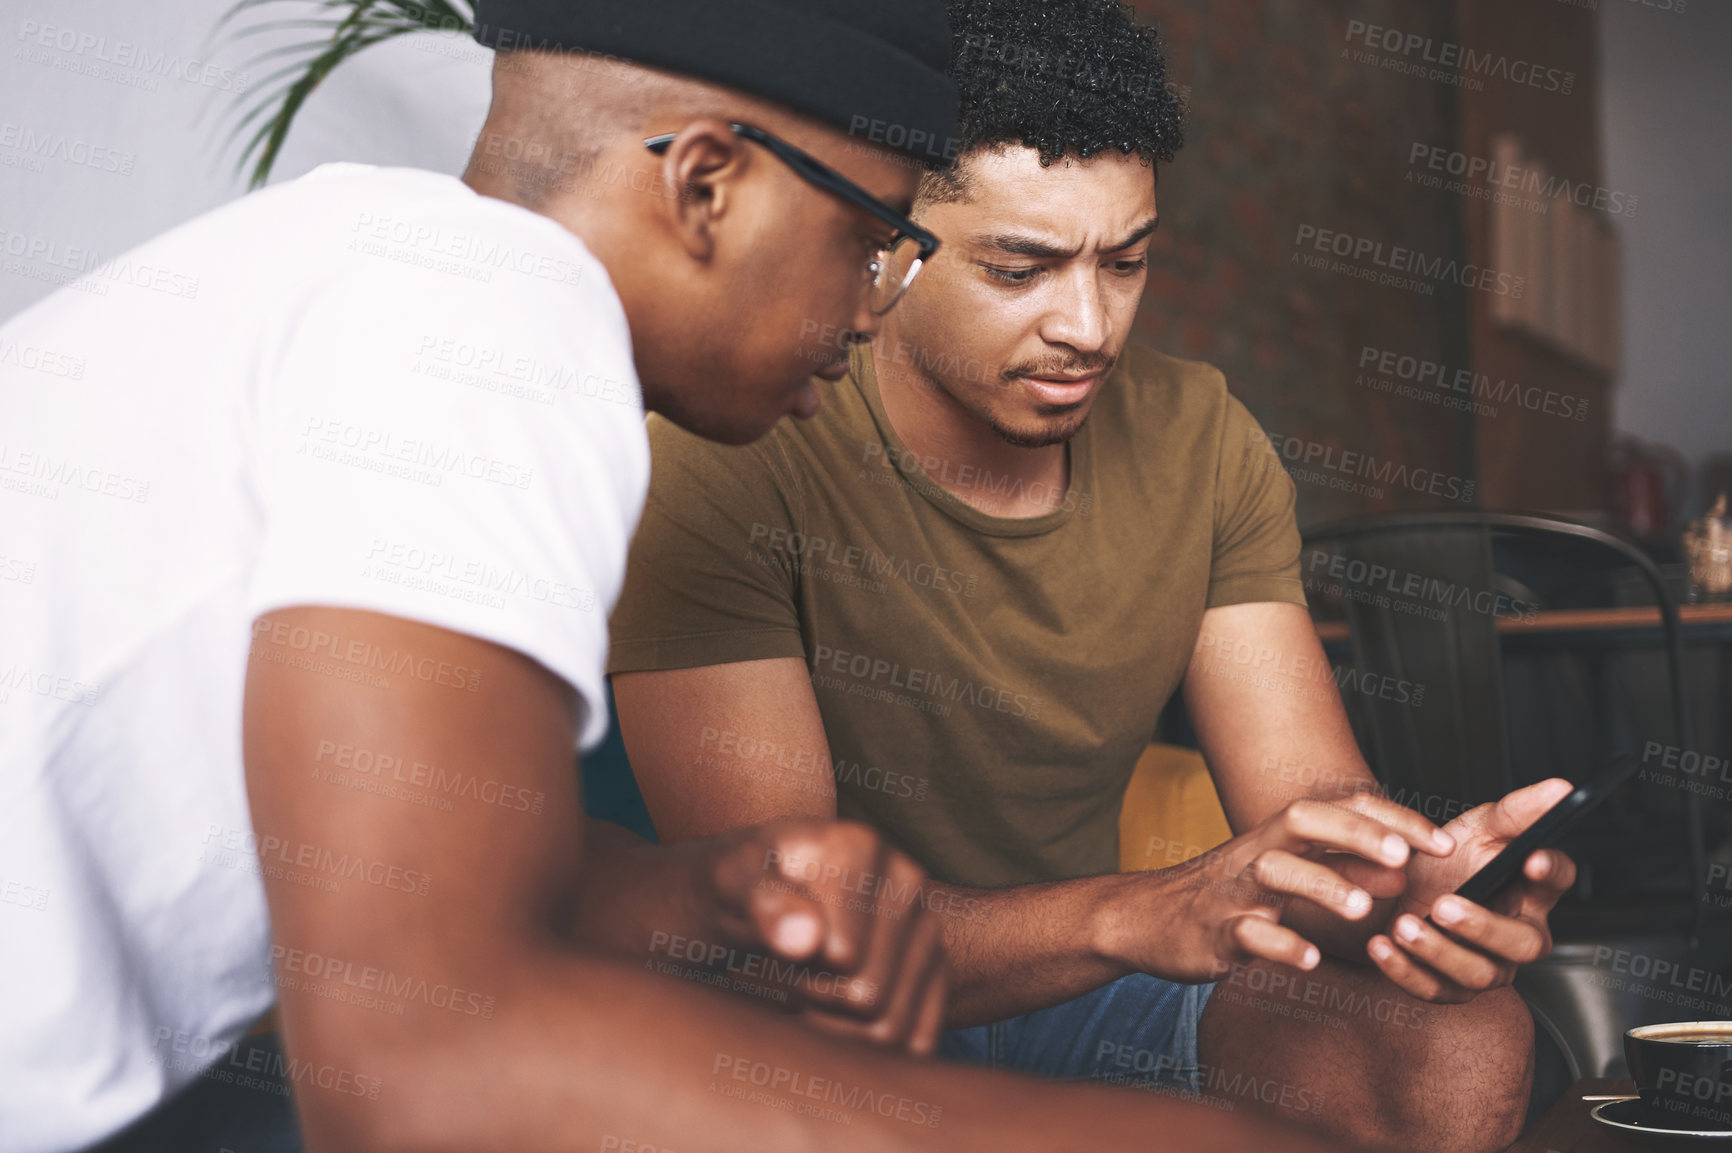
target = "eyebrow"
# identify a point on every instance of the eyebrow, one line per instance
(1021, 244)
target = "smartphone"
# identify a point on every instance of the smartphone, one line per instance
(1507, 865)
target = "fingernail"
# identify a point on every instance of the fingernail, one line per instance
(1448, 910)
(796, 933)
(1394, 849)
(1380, 950)
(1443, 841)
(1407, 928)
(1312, 956)
(1358, 901)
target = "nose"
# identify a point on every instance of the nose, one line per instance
(1078, 316)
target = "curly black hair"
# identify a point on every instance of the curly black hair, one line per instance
(1064, 77)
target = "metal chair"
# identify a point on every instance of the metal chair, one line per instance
(1422, 594)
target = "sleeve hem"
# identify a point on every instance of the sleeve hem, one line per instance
(1251, 589)
(696, 650)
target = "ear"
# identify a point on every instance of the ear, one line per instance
(705, 163)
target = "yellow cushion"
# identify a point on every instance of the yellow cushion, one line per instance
(1171, 810)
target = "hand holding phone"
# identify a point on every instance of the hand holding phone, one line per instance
(1557, 820)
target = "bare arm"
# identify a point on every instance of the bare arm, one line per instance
(439, 982)
(1268, 714)
(1017, 949)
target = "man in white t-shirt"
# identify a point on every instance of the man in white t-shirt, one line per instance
(311, 513)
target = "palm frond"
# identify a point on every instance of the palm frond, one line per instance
(347, 27)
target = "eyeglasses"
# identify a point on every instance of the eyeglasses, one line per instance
(893, 266)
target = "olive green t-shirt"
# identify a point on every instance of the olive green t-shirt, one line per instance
(986, 683)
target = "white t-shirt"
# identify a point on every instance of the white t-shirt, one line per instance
(369, 388)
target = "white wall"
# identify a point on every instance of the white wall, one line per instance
(1666, 95)
(416, 102)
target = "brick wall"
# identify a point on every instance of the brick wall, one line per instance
(1299, 133)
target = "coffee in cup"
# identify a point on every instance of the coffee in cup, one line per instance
(1683, 1071)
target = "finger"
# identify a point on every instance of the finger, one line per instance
(846, 883)
(1413, 827)
(1546, 876)
(1251, 936)
(1382, 882)
(901, 1009)
(924, 1040)
(760, 909)
(1509, 817)
(1410, 976)
(1507, 939)
(899, 937)
(1282, 872)
(1307, 824)
(1467, 968)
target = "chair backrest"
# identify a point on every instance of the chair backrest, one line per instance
(1439, 732)
(1422, 594)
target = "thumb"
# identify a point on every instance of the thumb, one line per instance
(1512, 815)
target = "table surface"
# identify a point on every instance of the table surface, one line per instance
(1566, 620)
(1567, 1128)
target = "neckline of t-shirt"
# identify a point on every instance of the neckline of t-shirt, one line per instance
(864, 374)
(494, 204)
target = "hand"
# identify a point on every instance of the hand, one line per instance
(834, 897)
(1195, 922)
(1476, 948)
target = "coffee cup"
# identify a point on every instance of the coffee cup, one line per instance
(1683, 1071)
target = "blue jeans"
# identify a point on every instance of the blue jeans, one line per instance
(1139, 1030)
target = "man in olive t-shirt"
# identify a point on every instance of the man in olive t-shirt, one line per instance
(983, 689)
(953, 604)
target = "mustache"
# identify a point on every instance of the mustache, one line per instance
(1078, 366)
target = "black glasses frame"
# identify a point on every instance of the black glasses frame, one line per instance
(817, 172)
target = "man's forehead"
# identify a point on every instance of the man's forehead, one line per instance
(1071, 204)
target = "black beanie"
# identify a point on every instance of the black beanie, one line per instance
(877, 69)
